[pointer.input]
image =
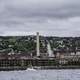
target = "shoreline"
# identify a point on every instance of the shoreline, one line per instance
(39, 68)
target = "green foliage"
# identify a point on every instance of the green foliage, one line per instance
(28, 43)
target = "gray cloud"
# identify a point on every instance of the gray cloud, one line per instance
(40, 8)
(49, 17)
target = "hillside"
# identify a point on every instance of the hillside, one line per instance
(27, 44)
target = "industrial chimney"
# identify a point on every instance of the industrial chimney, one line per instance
(38, 52)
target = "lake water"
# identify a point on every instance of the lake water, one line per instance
(41, 75)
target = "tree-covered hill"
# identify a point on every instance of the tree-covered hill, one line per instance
(27, 44)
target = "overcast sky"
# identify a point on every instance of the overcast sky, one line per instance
(49, 17)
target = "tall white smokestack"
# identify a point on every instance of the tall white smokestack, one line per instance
(38, 52)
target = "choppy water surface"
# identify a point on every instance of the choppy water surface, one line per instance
(41, 75)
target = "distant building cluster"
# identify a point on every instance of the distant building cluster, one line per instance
(43, 46)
